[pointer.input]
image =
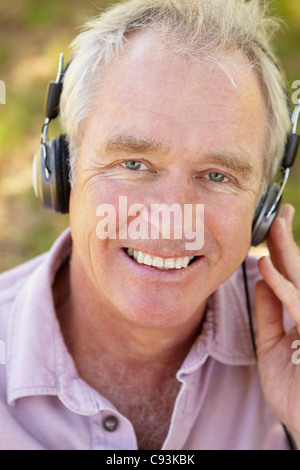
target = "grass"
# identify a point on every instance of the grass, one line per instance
(32, 34)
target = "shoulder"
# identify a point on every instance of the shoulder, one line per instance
(32, 276)
(12, 280)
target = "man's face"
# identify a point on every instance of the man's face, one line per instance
(165, 131)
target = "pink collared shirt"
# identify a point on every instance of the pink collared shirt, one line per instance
(44, 404)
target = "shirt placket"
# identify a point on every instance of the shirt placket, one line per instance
(111, 431)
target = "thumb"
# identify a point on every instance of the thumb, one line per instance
(269, 317)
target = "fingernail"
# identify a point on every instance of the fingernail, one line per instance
(265, 263)
(293, 212)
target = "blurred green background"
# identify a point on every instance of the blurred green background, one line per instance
(32, 34)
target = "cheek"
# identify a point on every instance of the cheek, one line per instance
(230, 225)
(97, 209)
(86, 199)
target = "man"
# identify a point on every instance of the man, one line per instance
(123, 342)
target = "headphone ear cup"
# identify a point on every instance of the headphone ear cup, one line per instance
(262, 220)
(62, 182)
(50, 173)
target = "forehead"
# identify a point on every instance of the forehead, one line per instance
(150, 92)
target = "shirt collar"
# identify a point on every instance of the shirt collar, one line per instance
(38, 362)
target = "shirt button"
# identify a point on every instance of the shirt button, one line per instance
(110, 423)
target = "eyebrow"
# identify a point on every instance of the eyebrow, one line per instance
(240, 164)
(128, 144)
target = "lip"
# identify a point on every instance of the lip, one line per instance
(143, 270)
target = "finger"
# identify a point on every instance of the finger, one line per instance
(287, 213)
(283, 249)
(275, 243)
(283, 289)
(269, 316)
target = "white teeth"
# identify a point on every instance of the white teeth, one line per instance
(140, 257)
(157, 262)
(178, 263)
(169, 263)
(130, 251)
(148, 260)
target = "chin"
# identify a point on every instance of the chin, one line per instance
(158, 313)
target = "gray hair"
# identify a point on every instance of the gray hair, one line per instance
(199, 29)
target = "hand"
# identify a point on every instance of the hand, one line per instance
(280, 377)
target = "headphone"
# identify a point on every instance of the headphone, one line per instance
(51, 168)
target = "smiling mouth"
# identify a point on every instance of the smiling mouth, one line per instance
(160, 263)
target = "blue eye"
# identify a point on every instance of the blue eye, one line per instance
(134, 165)
(217, 177)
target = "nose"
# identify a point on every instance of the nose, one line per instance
(177, 188)
(175, 212)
